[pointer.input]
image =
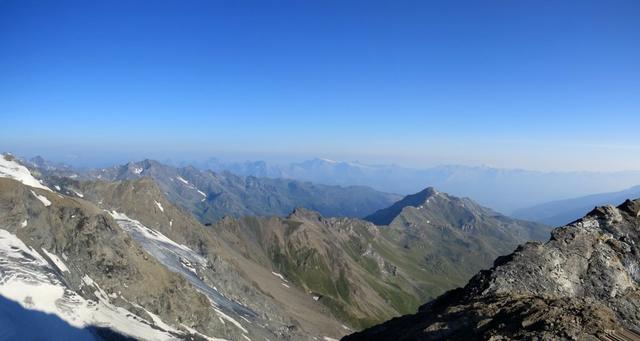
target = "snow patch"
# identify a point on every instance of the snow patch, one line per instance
(150, 234)
(24, 223)
(230, 319)
(80, 195)
(29, 280)
(13, 170)
(56, 261)
(279, 275)
(195, 332)
(159, 206)
(183, 260)
(187, 265)
(42, 199)
(182, 179)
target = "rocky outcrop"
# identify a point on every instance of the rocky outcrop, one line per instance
(582, 284)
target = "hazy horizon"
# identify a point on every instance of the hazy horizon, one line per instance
(525, 85)
(120, 158)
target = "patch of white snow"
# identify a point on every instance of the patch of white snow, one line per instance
(159, 206)
(13, 170)
(56, 261)
(230, 319)
(42, 199)
(279, 275)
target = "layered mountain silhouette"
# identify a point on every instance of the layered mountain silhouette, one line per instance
(557, 213)
(501, 189)
(211, 196)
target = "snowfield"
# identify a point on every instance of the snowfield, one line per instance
(29, 280)
(13, 170)
(159, 206)
(42, 199)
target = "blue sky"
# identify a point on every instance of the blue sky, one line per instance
(551, 85)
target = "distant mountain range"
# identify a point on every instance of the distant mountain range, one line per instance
(504, 190)
(557, 213)
(210, 195)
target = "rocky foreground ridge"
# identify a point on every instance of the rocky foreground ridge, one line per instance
(580, 285)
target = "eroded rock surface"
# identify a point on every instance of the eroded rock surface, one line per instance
(580, 285)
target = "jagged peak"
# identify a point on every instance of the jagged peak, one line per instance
(8, 156)
(385, 216)
(301, 212)
(631, 207)
(428, 192)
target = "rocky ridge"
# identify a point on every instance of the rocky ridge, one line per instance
(580, 285)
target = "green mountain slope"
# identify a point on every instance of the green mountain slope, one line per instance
(364, 272)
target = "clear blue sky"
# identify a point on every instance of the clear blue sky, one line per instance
(532, 84)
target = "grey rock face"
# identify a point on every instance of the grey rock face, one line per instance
(581, 284)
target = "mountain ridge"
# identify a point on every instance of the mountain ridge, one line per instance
(416, 257)
(581, 284)
(210, 196)
(386, 215)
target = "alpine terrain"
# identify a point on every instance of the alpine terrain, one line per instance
(123, 256)
(582, 284)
